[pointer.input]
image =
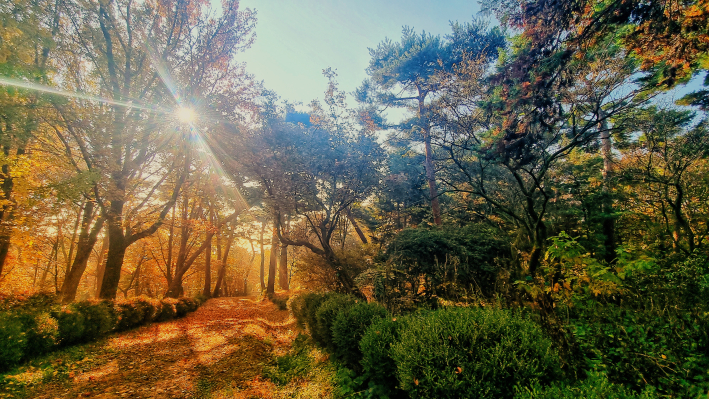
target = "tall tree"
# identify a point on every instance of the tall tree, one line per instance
(188, 44)
(404, 74)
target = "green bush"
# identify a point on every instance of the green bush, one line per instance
(472, 353)
(349, 327)
(304, 308)
(12, 340)
(41, 331)
(667, 349)
(99, 318)
(71, 325)
(377, 362)
(596, 386)
(325, 317)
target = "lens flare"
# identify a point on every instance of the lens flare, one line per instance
(185, 115)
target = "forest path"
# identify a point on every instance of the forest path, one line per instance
(218, 351)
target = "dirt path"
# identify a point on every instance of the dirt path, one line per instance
(217, 351)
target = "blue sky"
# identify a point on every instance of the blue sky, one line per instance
(296, 40)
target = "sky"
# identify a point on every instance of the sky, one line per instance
(296, 40)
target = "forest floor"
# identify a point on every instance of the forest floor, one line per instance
(219, 351)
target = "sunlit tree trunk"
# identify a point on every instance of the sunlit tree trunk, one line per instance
(87, 240)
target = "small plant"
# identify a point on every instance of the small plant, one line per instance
(71, 325)
(279, 300)
(12, 340)
(596, 386)
(296, 363)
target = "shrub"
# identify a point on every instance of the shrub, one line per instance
(182, 307)
(148, 307)
(375, 345)
(349, 327)
(128, 315)
(200, 298)
(596, 386)
(279, 300)
(41, 332)
(668, 349)
(168, 310)
(99, 318)
(36, 301)
(325, 317)
(71, 325)
(12, 340)
(304, 308)
(473, 353)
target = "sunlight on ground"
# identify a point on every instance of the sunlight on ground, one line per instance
(103, 371)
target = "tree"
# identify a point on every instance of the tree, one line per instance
(27, 33)
(404, 74)
(666, 171)
(314, 173)
(131, 144)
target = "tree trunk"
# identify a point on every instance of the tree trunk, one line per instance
(7, 211)
(609, 243)
(263, 257)
(283, 268)
(271, 287)
(354, 223)
(222, 269)
(428, 163)
(87, 240)
(116, 253)
(101, 265)
(208, 270)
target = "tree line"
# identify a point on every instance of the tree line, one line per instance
(544, 130)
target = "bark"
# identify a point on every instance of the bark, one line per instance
(271, 287)
(222, 269)
(283, 268)
(428, 162)
(207, 291)
(263, 257)
(175, 288)
(355, 225)
(87, 240)
(7, 211)
(101, 265)
(116, 253)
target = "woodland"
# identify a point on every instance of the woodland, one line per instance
(544, 200)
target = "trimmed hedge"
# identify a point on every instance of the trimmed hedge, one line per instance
(377, 363)
(472, 353)
(38, 324)
(349, 327)
(325, 317)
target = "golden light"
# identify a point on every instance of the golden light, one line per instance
(185, 115)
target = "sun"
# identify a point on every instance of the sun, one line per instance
(185, 115)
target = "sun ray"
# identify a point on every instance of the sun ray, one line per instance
(52, 90)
